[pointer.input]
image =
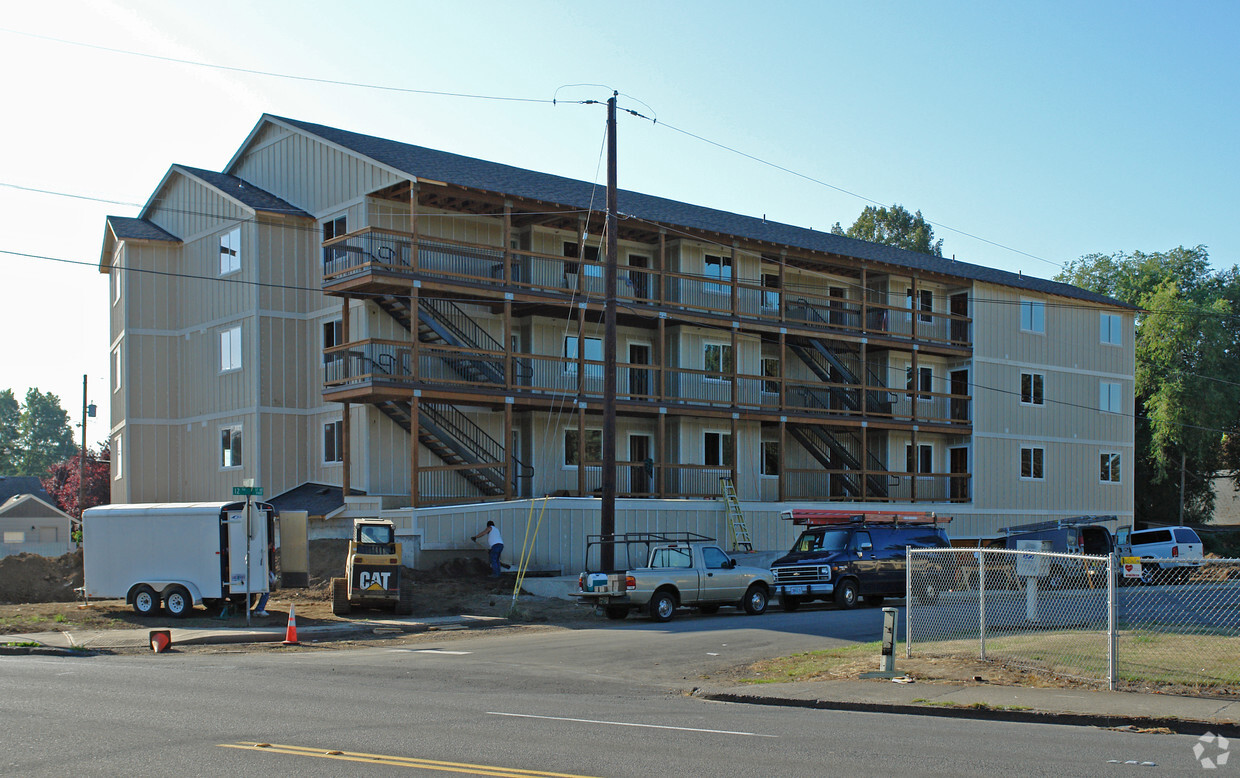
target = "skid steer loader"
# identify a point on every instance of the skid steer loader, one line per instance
(373, 576)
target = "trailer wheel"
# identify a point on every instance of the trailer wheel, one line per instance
(340, 597)
(662, 606)
(755, 600)
(404, 606)
(617, 612)
(145, 601)
(177, 601)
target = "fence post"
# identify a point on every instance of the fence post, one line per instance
(908, 602)
(1112, 626)
(981, 600)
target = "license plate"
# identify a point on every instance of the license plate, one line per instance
(794, 590)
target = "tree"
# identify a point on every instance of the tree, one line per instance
(894, 226)
(43, 435)
(61, 482)
(1187, 380)
(10, 417)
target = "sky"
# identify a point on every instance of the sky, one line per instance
(1028, 134)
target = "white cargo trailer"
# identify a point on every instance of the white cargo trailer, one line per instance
(178, 554)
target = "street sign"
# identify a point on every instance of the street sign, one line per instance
(257, 491)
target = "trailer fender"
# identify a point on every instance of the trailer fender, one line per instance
(161, 586)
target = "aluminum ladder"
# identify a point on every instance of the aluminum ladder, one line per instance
(738, 533)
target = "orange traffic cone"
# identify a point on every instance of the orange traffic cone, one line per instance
(160, 640)
(290, 634)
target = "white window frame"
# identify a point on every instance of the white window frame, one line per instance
(590, 431)
(923, 450)
(1110, 467)
(720, 449)
(118, 366)
(924, 305)
(1037, 389)
(717, 267)
(1037, 463)
(1033, 316)
(230, 252)
(1110, 329)
(236, 443)
(116, 279)
(230, 349)
(337, 442)
(1110, 397)
(14, 537)
(593, 346)
(117, 455)
(725, 349)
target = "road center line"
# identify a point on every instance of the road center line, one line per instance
(628, 724)
(398, 761)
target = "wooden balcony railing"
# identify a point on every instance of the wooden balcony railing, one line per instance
(374, 250)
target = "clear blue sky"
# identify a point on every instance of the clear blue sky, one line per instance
(1053, 129)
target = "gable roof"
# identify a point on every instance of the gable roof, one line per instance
(20, 505)
(243, 192)
(14, 485)
(318, 500)
(129, 228)
(422, 162)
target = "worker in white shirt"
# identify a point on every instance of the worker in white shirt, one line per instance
(496, 543)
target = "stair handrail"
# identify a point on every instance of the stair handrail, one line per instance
(466, 432)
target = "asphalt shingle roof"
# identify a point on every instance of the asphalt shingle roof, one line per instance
(314, 499)
(129, 228)
(247, 193)
(480, 174)
(15, 485)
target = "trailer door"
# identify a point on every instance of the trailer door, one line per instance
(237, 540)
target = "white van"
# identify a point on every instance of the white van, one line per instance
(1175, 549)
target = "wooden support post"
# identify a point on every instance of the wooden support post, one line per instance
(415, 302)
(783, 295)
(347, 464)
(735, 281)
(413, 226)
(415, 470)
(660, 473)
(734, 378)
(507, 242)
(783, 458)
(581, 251)
(660, 267)
(734, 464)
(510, 465)
(510, 361)
(865, 461)
(783, 371)
(581, 449)
(661, 361)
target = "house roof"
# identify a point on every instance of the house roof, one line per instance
(421, 162)
(49, 510)
(244, 192)
(129, 228)
(15, 485)
(314, 499)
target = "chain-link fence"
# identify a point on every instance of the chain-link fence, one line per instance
(1079, 616)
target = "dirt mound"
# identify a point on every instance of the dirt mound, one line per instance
(32, 578)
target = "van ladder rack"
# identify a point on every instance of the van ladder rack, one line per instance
(1038, 526)
(815, 518)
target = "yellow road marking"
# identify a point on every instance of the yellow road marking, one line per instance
(398, 761)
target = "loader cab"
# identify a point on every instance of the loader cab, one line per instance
(374, 537)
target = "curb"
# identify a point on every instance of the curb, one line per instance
(1178, 726)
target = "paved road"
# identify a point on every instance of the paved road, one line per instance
(600, 702)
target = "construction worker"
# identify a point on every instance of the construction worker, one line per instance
(496, 543)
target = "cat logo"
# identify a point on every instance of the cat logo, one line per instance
(373, 581)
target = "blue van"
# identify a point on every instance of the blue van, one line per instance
(847, 556)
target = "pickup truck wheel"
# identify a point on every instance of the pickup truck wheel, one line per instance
(755, 600)
(846, 594)
(662, 606)
(145, 601)
(708, 609)
(340, 597)
(617, 612)
(789, 602)
(178, 602)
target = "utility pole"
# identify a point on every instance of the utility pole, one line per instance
(1183, 466)
(82, 457)
(608, 512)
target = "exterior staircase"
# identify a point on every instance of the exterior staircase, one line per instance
(833, 454)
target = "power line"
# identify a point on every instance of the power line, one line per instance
(271, 74)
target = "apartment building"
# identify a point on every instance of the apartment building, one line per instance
(422, 330)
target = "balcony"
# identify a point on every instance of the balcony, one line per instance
(381, 261)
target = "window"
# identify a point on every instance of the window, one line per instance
(770, 291)
(922, 461)
(594, 352)
(1031, 463)
(718, 447)
(117, 372)
(925, 303)
(230, 349)
(717, 360)
(591, 254)
(333, 335)
(594, 447)
(1109, 461)
(1108, 329)
(925, 380)
(1031, 388)
(1108, 397)
(770, 369)
(116, 280)
(230, 252)
(230, 446)
(333, 442)
(14, 537)
(718, 268)
(117, 458)
(770, 458)
(334, 228)
(714, 559)
(1032, 315)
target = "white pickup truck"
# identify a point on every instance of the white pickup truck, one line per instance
(681, 569)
